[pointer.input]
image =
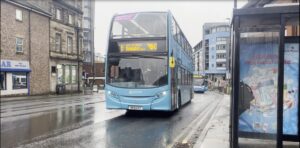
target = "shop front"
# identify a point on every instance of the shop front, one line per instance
(14, 78)
(265, 96)
(65, 77)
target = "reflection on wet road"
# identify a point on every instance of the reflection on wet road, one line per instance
(83, 121)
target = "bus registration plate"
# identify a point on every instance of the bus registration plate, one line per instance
(133, 107)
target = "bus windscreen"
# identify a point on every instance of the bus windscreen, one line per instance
(139, 71)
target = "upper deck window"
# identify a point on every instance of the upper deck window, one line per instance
(135, 25)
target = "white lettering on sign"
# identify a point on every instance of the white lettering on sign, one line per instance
(10, 64)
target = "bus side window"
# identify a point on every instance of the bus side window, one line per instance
(186, 77)
(182, 76)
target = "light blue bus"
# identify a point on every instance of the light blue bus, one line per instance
(149, 63)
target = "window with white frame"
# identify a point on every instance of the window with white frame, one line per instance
(67, 74)
(70, 44)
(73, 74)
(19, 80)
(70, 19)
(19, 15)
(58, 14)
(60, 74)
(19, 44)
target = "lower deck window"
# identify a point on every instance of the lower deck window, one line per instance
(19, 80)
(2, 81)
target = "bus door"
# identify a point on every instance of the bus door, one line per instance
(173, 83)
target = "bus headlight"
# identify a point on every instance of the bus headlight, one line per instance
(161, 94)
(113, 94)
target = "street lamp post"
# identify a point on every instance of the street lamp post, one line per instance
(78, 29)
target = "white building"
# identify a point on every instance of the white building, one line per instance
(198, 59)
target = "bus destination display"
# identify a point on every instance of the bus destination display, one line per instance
(142, 46)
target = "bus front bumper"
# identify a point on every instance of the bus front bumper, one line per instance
(162, 103)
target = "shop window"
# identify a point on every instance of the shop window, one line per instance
(19, 15)
(59, 74)
(74, 74)
(19, 80)
(19, 44)
(2, 81)
(67, 75)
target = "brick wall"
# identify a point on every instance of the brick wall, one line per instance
(39, 54)
(10, 29)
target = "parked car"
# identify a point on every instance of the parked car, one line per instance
(200, 85)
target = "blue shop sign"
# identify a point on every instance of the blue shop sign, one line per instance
(14, 66)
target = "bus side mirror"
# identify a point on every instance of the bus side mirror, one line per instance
(171, 62)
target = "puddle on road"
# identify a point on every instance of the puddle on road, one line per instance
(24, 130)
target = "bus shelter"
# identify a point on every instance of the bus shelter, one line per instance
(265, 75)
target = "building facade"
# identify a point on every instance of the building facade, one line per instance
(88, 7)
(216, 41)
(66, 45)
(198, 59)
(41, 48)
(24, 48)
(89, 67)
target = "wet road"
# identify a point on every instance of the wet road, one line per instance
(83, 121)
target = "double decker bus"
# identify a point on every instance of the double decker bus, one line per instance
(149, 63)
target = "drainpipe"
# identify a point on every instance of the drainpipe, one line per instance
(29, 50)
(77, 45)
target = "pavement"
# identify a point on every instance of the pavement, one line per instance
(216, 132)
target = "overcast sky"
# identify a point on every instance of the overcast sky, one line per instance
(190, 15)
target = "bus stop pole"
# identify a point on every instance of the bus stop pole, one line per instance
(280, 84)
(236, 77)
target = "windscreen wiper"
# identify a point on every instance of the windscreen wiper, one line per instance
(146, 56)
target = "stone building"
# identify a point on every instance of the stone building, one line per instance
(41, 42)
(65, 45)
(24, 48)
(89, 66)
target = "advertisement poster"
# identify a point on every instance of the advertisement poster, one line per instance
(258, 80)
(291, 89)
(258, 88)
